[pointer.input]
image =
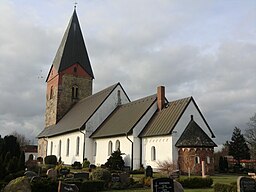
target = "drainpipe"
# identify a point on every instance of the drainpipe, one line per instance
(83, 143)
(132, 150)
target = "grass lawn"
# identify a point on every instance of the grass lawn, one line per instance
(219, 178)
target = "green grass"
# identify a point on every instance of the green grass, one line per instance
(219, 178)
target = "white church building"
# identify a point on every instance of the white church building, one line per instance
(80, 124)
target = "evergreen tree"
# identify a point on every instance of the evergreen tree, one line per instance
(21, 163)
(221, 164)
(238, 147)
(115, 161)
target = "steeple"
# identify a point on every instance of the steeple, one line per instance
(70, 78)
(72, 49)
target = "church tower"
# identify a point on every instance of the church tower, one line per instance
(70, 77)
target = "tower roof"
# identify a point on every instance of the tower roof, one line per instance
(72, 48)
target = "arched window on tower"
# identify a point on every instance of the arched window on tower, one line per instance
(110, 147)
(74, 92)
(51, 92)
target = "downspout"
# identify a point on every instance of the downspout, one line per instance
(132, 150)
(46, 144)
(83, 143)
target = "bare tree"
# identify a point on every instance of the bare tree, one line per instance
(167, 167)
(250, 135)
(21, 139)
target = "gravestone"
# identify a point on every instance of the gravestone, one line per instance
(65, 187)
(246, 184)
(149, 171)
(162, 185)
(115, 177)
(82, 175)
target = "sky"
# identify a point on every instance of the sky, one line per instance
(200, 48)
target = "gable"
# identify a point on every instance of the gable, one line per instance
(79, 114)
(194, 136)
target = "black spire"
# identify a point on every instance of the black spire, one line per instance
(72, 48)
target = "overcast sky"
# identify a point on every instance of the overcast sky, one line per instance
(200, 48)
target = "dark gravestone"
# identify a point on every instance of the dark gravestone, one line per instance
(64, 187)
(246, 184)
(162, 185)
(64, 172)
(115, 177)
(149, 171)
(82, 175)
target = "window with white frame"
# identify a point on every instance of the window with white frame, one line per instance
(117, 145)
(95, 148)
(197, 160)
(77, 145)
(60, 148)
(153, 153)
(110, 147)
(67, 147)
(208, 160)
(51, 148)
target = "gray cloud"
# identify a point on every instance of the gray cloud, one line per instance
(205, 50)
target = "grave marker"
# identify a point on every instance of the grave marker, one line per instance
(162, 185)
(246, 184)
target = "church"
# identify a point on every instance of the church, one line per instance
(81, 124)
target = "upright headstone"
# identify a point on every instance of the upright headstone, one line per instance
(65, 187)
(162, 185)
(149, 171)
(246, 184)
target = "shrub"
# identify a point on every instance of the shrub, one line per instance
(44, 185)
(225, 187)
(102, 174)
(115, 161)
(86, 163)
(196, 182)
(50, 159)
(76, 165)
(146, 181)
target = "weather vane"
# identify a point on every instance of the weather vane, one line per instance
(75, 5)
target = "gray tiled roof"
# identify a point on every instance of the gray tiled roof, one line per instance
(164, 121)
(124, 118)
(79, 114)
(72, 48)
(194, 136)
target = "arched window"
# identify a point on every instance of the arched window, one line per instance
(67, 147)
(77, 145)
(208, 160)
(117, 145)
(197, 159)
(60, 148)
(75, 92)
(153, 153)
(51, 92)
(51, 148)
(95, 148)
(110, 147)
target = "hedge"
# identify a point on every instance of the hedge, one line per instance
(196, 182)
(225, 187)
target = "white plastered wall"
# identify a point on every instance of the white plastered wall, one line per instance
(102, 149)
(72, 156)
